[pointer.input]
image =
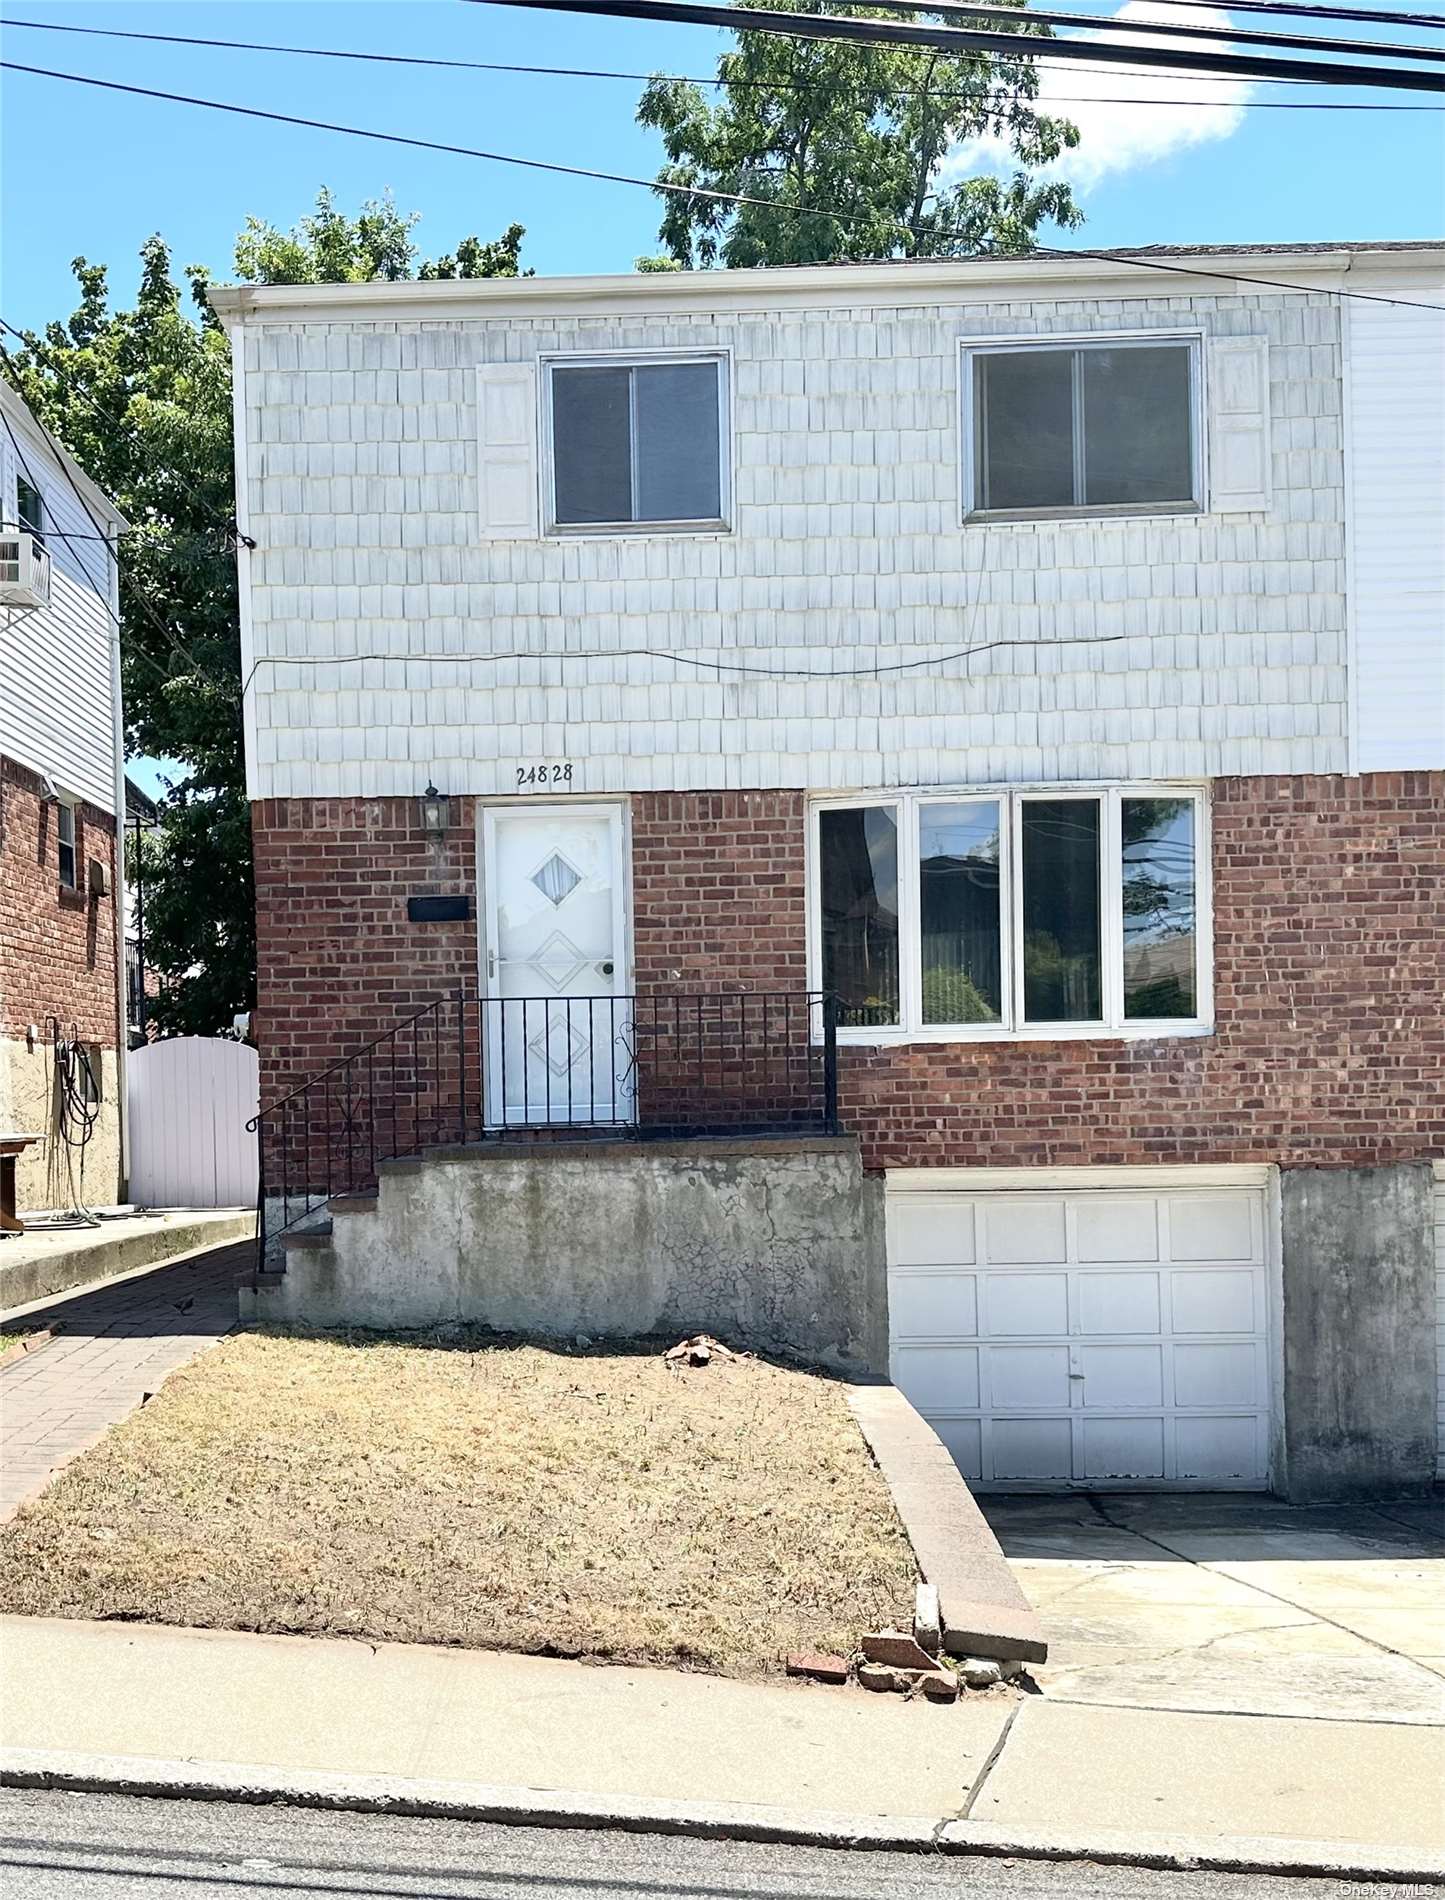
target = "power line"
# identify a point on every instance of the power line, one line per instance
(63, 461)
(38, 346)
(666, 187)
(1165, 29)
(745, 84)
(849, 29)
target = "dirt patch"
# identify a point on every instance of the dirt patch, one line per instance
(499, 1496)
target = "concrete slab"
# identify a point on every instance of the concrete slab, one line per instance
(984, 1610)
(1067, 1767)
(46, 1260)
(394, 1709)
(1228, 1603)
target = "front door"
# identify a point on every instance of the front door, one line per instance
(556, 1039)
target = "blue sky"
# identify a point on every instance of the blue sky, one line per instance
(89, 174)
(124, 167)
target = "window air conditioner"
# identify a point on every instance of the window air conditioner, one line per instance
(24, 570)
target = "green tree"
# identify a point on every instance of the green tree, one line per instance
(863, 132)
(142, 399)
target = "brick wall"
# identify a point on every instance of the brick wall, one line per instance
(57, 947)
(1329, 931)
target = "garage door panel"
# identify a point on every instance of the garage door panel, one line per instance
(1121, 1375)
(944, 1305)
(1214, 1300)
(1119, 1303)
(1085, 1336)
(1026, 1305)
(964, 1439)
(1129, 1230)
(1031, 1450)
(938, 1378)
(1217, 1374)
(928, 1230)
(1024, 1233)
(1212, 1226)
(1119, 1449)
(1218, 1450)
(1021, 1378)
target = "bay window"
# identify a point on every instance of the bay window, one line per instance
(1012, 913)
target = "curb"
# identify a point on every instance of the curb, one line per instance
(30, 1342)
(705, 1820)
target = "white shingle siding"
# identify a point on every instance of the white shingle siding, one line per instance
(1188, 646)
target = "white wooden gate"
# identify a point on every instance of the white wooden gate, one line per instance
(190, 1098)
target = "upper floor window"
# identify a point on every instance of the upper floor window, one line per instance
(1093, 428)
(65, 844)
(638, 444)
(29, 508)
(1040, 913)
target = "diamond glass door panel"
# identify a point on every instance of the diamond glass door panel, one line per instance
(557, 1030)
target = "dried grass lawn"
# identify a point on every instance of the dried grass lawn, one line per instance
(594, 1503)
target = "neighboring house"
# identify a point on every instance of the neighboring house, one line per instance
(1046, 657)
(61, 787)
(142, 984)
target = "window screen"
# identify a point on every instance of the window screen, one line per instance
(636, 443)
(65, 844)
(858, 878)
(1098, 427)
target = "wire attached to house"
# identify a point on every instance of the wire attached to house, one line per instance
(77, 1110)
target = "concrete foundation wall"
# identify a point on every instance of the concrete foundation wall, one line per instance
(29, 1104)
(772, 1245)
(1359, 1331)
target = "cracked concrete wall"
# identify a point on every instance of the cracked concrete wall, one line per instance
(772, 1245)
(1359, 1331)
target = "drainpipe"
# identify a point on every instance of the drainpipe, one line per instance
(118, 759)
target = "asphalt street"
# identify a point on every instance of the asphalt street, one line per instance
(114, 1847)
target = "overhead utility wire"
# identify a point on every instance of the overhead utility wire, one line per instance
(38, 346)
(166, 633)
(951, 39)
(667, 188)
(742, 83)
(959, 9)
(1167, 29)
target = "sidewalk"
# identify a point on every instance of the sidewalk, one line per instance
(180, 1710)
(114, 1344)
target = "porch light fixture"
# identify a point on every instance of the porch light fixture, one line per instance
(435, 811)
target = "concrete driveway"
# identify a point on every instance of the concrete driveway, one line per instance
(1235, 1603)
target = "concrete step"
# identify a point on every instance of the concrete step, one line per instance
(304, 1239)
(352, 1204)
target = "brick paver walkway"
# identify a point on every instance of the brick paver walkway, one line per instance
(113, 1345)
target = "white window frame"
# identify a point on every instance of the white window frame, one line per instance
(637, 359)
(65, 809)
(1113, 1026)
(973, 347)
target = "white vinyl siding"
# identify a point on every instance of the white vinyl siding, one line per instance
(55, 661)
(1396, 382)
(1109, 1337)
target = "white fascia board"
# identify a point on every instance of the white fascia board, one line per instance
(926, 1180)
(668, 293)
(44, 449)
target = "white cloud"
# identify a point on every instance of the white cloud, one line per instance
(1116, 137)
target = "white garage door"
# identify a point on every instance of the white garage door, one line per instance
(1107, 1336)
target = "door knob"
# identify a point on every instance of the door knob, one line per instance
(606, 969)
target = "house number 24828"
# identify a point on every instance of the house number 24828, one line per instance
(534, 777)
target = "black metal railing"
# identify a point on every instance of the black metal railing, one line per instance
(475, 1068)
